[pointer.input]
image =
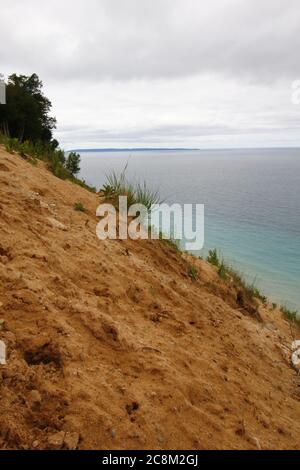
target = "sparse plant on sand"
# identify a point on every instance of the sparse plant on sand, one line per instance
(49, 153)
(291, 315)
(170, 242)
(192, 272)
(222, 271)
(213, 257)
(117, 185)
(227, 272)
(79, 207)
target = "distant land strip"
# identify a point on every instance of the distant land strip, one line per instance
(134, 150)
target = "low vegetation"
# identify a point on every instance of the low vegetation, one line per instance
(79, 207)
(117, 185)
(26, 128)
(61, 165)
(192, 272)
(213, 257)
(226, 272)
(223, 271)
(291, 315)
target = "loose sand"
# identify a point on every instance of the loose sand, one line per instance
(112, 346)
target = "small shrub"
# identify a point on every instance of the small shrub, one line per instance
(79, 207)
(192, 272)
(73, 163)
(9, 147)
(222, 271)
(213, 257)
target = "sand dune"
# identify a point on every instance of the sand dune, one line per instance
(111, 345)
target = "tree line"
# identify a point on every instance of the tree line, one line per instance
(26, 117)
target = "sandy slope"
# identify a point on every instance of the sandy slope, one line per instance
(112, 345)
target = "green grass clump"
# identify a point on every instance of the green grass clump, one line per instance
(227, 272)
(79, 207)
(9, 145)
(117, 185)
(146, 196)
(255, 293)
(192, 272)
(249, 288)
(223, 270)
(213, 257)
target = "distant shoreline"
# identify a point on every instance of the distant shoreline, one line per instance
(146, 149)
(176, 149)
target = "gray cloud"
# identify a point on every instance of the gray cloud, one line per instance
(175, 134)
(102, 39)
(161, 72)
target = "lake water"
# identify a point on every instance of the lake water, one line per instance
(252, 204)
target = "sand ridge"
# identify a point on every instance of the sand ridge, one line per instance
(112, 346)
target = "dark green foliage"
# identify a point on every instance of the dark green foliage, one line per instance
(213, 257)
(79, 207)
(73, 163)
(26, 113)
(222, 271)
(26, 128)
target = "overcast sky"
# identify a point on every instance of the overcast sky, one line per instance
(148, 73)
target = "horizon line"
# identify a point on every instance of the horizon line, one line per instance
(170, 149)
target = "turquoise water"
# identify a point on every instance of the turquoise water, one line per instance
(252, 204)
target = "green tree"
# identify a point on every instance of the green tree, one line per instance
(26, 115)
(73, 162)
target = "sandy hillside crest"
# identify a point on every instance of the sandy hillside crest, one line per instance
(112, 345)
